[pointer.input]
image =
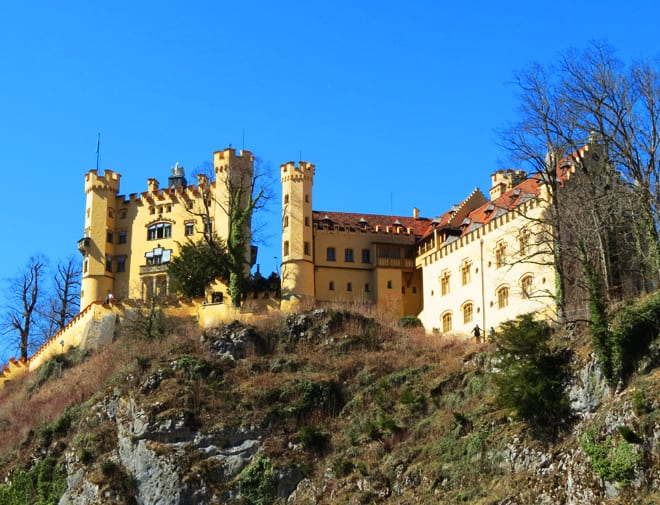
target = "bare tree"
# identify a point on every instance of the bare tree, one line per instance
(601, 199)
(64, 301)
(24, 295)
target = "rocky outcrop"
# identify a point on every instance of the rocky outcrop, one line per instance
(232, 341)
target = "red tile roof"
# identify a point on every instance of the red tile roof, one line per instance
(507, 202)
(423, 227)
(418, 226)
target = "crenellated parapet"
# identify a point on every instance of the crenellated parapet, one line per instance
(228, 159)
(291, 171)
(109, 181)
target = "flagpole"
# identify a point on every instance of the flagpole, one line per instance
(98, 150)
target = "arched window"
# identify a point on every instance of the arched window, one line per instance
(446, 322)
(159, 230)
(503, 297)
(527, 286)
(468, 311)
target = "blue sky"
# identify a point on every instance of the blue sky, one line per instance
(396, 103)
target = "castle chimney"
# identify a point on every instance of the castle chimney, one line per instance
(415, 212)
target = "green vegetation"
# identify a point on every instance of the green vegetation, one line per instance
(612, 460)
(197, 265)
(410, 322)
(257, 484)
(43, 484)
(531, 375)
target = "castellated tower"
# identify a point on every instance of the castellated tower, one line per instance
(297, 231)
(97, 244)
(233, 176)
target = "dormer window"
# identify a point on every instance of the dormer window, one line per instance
(490, 208)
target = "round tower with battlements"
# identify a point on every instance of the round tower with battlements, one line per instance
(97, 243)
(297, 232)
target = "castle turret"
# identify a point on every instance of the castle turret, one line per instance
(233, 176)
(297, 232)
(97, 244)
(504, 180)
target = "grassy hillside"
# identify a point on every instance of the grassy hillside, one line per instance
(321, 407)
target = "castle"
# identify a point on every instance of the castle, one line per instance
(129, 240)
(465, 267)
(462, 268)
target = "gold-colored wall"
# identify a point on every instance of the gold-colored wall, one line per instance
(110, 215)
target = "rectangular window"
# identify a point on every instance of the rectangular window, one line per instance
(190, 228)
(306, 221)
(110, 236)
(349, 286)
(466, 273)
(444, 284)
(108, 263)
(123, 237)
(366, 256)
(330, 254)
(366, 287)
(285, 248)
(121, 264)
(500, 256)
(348, 255)
(306, 248)
(389, 284)
(331, 286)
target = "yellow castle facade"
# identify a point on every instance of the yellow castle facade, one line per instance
(129, 240)
(469, 266)
(465, 267)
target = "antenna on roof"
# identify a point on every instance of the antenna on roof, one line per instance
(98, 150)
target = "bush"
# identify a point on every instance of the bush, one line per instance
(410, 322)
(634, 329)
(313, 439)
(342, 468)
(612, 461)
(532, 374)
(257, 484)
